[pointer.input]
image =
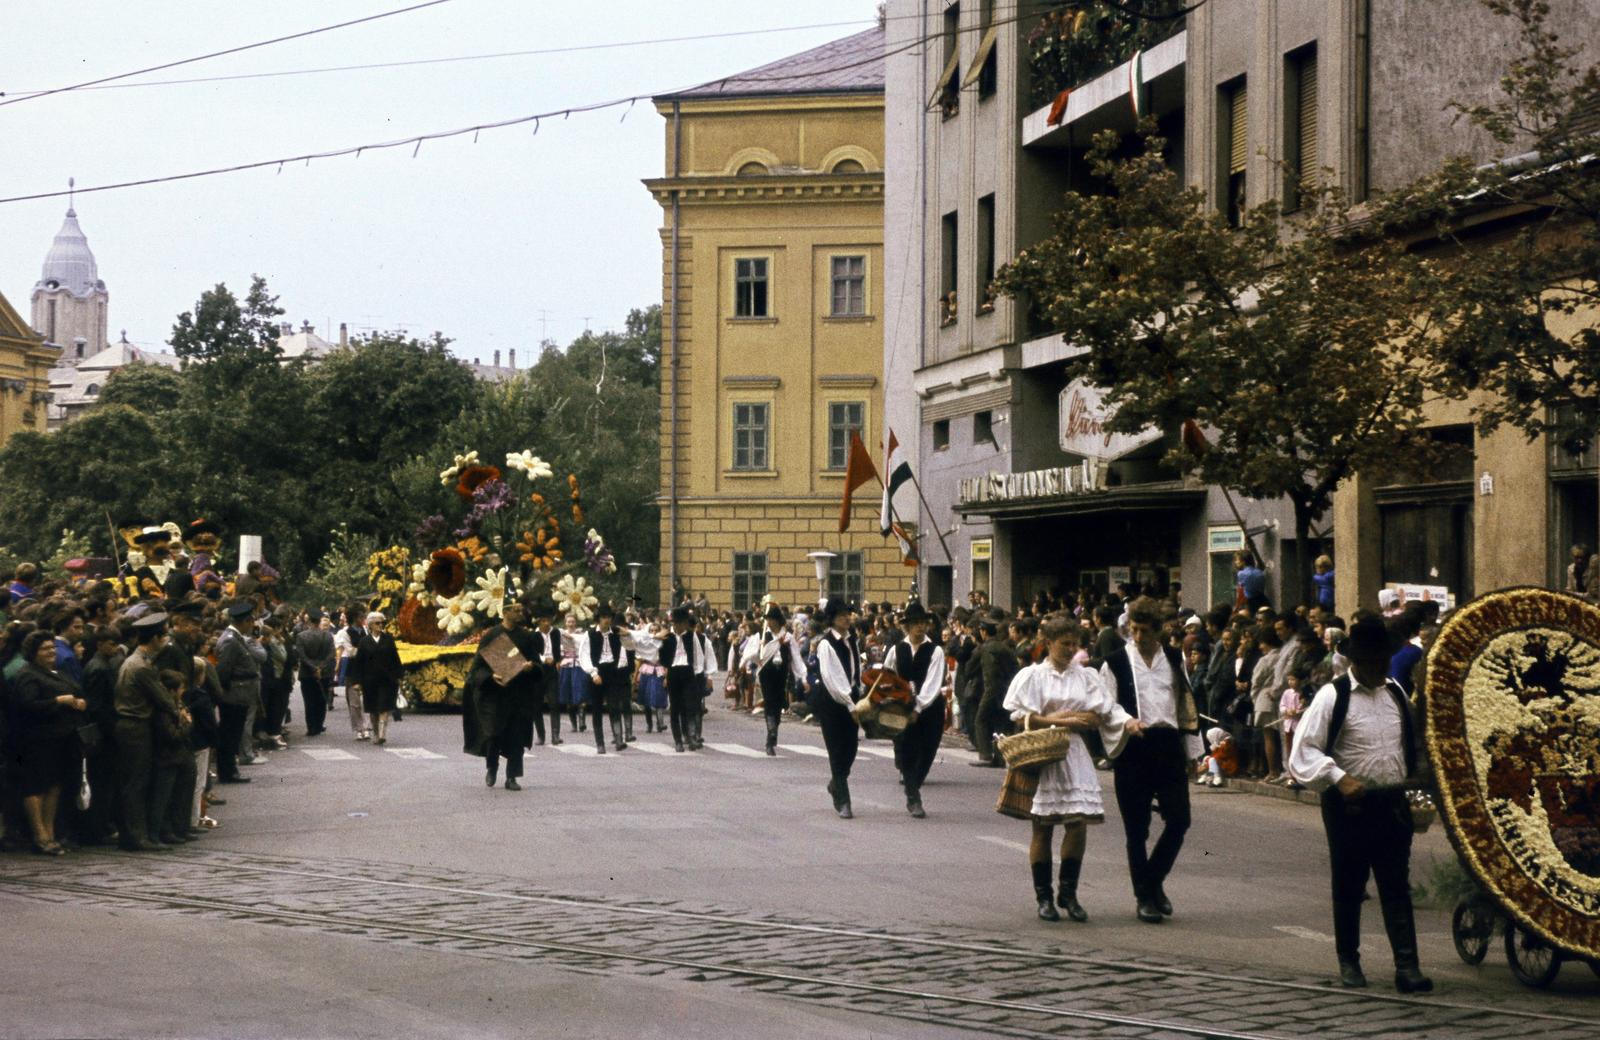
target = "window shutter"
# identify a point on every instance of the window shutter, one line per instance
(1238, 131)
(1310, 161)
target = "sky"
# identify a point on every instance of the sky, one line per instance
(498, 244)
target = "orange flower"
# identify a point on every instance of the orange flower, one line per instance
(541, 549)
(472, 548)
(472, 476)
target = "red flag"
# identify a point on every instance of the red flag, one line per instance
(857, 471)
(1193, 439)
(1058, 108)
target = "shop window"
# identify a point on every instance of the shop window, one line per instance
(941, 434)
(750, 436)
(749, 580)
(845, 577)
(750, 299)
(844, 418)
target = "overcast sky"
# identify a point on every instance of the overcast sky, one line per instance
(493, 243)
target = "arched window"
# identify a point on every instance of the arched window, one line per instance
(753, 169)
(848, 166)
(92, 390)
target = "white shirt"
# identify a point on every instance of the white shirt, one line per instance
(645, 646)
(835, 673)
(1154, 696)
(932, 683)
(767, 646)
(1370, 745)
(680, 654)
(585, 660)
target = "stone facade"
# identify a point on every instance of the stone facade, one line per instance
(25, 361)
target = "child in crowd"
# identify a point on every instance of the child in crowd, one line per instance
(1223, 760)
(1291, 705)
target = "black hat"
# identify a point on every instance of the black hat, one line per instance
(775, 613)
(200, 527)
(605, 610)
(153, 619)
(242, 608)
(313, 615)
(184, 608)
(682, 615)
(1368, 638)
(915, 612)
(834, 607)
(152, 534)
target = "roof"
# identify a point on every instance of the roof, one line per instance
(853, 65)
(304, 344)
(70, 264)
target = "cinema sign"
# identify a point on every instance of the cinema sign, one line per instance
(1083, 421)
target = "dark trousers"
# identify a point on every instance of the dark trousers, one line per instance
(274, 705)
(100, 819)
(146, 787)
(230, 734)
(918, 746)
(969, 717)
(509, 750)
(314, 698)
(1152, 770)
(773, 679)
(180, 799)
(683, 700)
(985, 723)
(840, 733)
(1370, 836)
(607, 698)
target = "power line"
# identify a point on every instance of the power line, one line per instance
(217, 54)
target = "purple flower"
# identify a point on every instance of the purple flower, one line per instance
(597, 556)
(492, 496)
(431, 530)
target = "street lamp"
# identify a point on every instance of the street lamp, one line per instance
(820, 560)
(633, 574)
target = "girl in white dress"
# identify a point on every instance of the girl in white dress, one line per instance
(1058, 691)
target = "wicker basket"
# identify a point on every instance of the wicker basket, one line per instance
(1034, 748)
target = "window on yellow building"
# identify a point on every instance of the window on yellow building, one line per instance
(844, 418)
(750, 287)
(749, 580)
(750, 436)
(849, 286)
(845, 577)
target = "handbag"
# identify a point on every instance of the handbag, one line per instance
(400, 702)
(1033, 748)
(85, 796)
(90, 739)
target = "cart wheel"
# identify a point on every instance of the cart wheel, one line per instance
(1594, 966)
(1533, 961)
(1471, 927)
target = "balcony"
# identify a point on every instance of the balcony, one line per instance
(1103, 102)
(1071, 45)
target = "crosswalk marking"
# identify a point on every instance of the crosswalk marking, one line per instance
(804, 749)
(412, 752)
(330, 754)
(1005, 843)
(737, 749)
(652, 748)
(876, 752)
(581, 750)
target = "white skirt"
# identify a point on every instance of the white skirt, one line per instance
(1070, 786)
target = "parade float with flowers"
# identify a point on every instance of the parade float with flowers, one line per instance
(517, 536)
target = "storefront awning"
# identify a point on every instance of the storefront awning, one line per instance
(1163, 495)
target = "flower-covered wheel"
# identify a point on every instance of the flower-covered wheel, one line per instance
(1533, 961)
(1471, 928)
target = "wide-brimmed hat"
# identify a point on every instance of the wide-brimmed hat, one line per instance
(915, 612)
(200, 527)
(775, 613)
(1368, 638)
(152, 535)
(834, 607)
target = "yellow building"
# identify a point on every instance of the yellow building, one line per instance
(25, 363)
(773, 328)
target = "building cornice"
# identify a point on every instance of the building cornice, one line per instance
(775, 102)
(819, 187)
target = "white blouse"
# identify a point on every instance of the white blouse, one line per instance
(1071, 785)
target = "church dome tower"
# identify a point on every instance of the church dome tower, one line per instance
(69, 300)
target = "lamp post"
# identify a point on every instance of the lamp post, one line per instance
(820, 561)
(633, 575)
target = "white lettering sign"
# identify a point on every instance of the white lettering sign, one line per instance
(1083, 421)
(1057, 482)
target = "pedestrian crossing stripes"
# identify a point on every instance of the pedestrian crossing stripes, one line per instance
(581, 750)
(651, 748)
(329, 754)
(875, 752)
(737, 749)
(412, 752)
(804, 749)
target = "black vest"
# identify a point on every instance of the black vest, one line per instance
(782, 660)
(913, 665)
(616, 647)
(1128, 696)
(669, 650)
(845, 651)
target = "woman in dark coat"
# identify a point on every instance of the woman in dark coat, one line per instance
(48, 710)
(378, 672)
(497, 720)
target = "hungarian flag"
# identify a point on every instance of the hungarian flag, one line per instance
(898, 473)
(908, 548)
(857, 471)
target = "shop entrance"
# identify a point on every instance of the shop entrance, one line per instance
(1067, 553)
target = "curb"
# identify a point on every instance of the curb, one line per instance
(1278, 791)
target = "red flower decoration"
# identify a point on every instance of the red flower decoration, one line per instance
(418, 624)
(472, 476)
(447, 572)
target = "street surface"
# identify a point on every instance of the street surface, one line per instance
(362, 891)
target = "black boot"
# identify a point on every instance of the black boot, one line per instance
(1041, 891)
(538, 728)
(627, 727)
(695, 723)
(579, 723)
(494, 771)
(914, 803)
(649, 720)
(1068, 897)
(1347, 943)
(840, 790)
(1402, 928)
(677, 733)
(772, 735)
(555, 727)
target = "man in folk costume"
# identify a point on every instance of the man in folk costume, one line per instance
(686, 663)
(1147, 678)
(775, 657)
(1357, 744)
(920, 661)
(497, 714)
(604, 658)
(839, 663)
(544, 649)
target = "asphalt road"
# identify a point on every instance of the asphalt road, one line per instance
(650, 893)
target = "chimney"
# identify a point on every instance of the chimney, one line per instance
(286, 328)
(305, 326)
(513, 357)
(497, 359)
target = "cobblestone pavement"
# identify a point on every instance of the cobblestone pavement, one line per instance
(984, 983)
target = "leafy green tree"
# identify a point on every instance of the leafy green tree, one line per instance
(227, 334)
(342, 575)
(144, 387)
(1295, 351)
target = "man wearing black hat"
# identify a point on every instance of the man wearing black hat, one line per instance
(1356, 743)
(605, 659)
(776, 659)
(839, 664)
(239, 659)
(920, 661)
(685, 661)
(544, 650)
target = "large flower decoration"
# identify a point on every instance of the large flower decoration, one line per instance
(447, 476)
(597, 556)
(529, 463)
(488, 498)
(455, 615)
(418, 588)
(431, 530)
(574, 596)
(474, 476)
(416, 623)
(540, 548)
(577, 498)
(447, 572)
(472, 548)
(490, 596)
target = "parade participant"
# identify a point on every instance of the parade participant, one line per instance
(345, 642)
(203, 539)
(239, 659)
(313, 645)
(1060, 692)
(776, 658)
(573, 684)
(545, 650)
(652, 675)
(1147, 677)
(920, 661)
(839, 662)
(497, 712)
(155, 545)
(1356, 744)
(604, 660)
(685, 661)
(140, 697)
(378, 673)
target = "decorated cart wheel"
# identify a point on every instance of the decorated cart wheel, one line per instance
(1533, 961)
(1594, 966)
(1513, 731)
(1471, 928)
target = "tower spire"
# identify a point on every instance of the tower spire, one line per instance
(72, 185)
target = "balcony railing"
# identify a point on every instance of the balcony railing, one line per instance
(1072, 45)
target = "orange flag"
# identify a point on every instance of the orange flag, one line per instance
(857, 471)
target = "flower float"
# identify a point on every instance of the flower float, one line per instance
(447, 572)
(447, 476)
(455, 615)
(574, 596)
(528, 463)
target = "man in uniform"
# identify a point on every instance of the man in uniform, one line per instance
(1356, 743)
(139, 696)
(239, 659)
(920, 661)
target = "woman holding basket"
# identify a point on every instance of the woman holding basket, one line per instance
(1058, 692)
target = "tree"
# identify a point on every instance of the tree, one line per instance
(227, 335)
(144, 387)
(1293, 343)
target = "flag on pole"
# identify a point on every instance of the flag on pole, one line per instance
(908, 548)
(858, 470)
(897, 472)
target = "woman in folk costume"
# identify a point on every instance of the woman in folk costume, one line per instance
(1060, 692)
(573, 692)
(652, 693)
(772, 657)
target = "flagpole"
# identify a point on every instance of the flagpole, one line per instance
(949, 557)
